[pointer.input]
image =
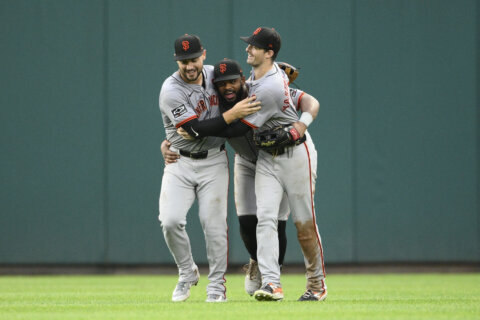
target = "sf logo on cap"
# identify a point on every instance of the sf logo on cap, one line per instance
(223, 68)
(185, 45)
(257, 31)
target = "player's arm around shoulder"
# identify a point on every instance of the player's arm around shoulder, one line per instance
(242, 109)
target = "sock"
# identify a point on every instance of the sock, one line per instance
(248, 231)
(282, 240)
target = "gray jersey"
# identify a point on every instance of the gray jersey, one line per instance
(291, 172)
(277, 105)
(244, 145)
(181, 102)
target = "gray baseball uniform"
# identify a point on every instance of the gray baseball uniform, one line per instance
(244, 170)
(293, 172)
(202, 174)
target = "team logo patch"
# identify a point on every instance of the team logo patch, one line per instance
(257, 31)
(178, 111)
(185, 45)
(223, 68)
(293, 92)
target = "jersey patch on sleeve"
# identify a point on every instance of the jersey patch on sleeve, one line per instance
(293, 93)
(179, 111)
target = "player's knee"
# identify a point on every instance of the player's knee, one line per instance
(171, 224)
(267, 222)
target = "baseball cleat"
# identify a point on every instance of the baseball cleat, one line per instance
(310, 295)
(269, 292)
(182, 290)
(216, 298)
(253, 279)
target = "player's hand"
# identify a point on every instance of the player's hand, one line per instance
(184, 134)
(168, 155)
(301, 127)
(242, 109)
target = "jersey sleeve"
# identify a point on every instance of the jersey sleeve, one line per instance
(268, 110)
(176, 107)
(297, 96)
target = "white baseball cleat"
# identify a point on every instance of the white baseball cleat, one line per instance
(253, 278)
(216, 298)
(182, 290)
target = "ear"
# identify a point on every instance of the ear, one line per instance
(243, 79)
(269, 54)
(204, 54)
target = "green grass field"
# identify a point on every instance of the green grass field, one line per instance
(401, 296)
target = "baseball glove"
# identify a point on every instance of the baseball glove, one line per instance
(276, 138)
(291, 71)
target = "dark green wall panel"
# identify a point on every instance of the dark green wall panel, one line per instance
(397, 134)
(135, 130)
(51, 131)
(416, 131)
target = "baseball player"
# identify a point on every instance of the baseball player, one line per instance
(201, 172)
(230, 84)
(289, 168)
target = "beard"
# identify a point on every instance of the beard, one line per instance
(188, 78)
(240, 95)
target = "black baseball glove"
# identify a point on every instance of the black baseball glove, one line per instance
(276, 138)
(291, 71)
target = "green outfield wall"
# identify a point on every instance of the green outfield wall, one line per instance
(398, 133)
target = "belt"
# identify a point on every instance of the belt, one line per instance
(199, 154)
(281, 150)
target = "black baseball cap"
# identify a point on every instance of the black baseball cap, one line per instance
(187, 46)
(226, 69)
(265, 38)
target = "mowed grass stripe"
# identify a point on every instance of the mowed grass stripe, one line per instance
(384, 296)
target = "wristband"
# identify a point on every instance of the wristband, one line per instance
(294, 133)
(306, 118)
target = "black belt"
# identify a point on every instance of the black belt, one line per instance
(199, 154)
(281, 150)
